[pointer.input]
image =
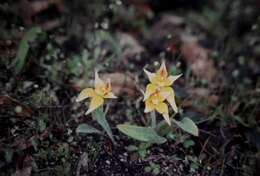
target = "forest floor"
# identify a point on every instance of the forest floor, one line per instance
(214, 44)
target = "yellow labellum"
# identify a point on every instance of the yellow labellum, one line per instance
(101, 91)
(166, 92)
(169, 94)
(156, 102)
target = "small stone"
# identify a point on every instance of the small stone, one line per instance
(118, 2)
(18, 109)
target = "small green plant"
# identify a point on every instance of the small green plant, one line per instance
(141, 149)
(193, 161)
(23, 49)
(153, 168)
(158, 93)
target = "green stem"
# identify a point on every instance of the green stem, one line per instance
(99, 116)
(153, 120)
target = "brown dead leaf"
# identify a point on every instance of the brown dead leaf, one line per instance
(143, 8)
(203, 93)
(198, 92)
(131, 47)
(14, 105)
(83, 162)
(197, 58)
(23, 172)
(122, 83)
(28, 9)
(168, 25)
(26, 169)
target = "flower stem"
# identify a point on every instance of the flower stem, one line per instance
(99, 116)
(153, 120)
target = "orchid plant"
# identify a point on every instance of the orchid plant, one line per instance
(102, 90)
(157, 96)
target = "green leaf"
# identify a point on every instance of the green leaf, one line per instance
(239, 119)
(23, 49)
(163, 128)
(42, 125)
(85, 128)
(142, 152)
(34, 142)
(99, 116)
(156, 171)
(147, 169)
(175, 158)
(9, 155)
(188, 125)
(188, 143)
(145, 134)
(132, 148)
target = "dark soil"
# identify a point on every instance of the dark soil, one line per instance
(39, 114)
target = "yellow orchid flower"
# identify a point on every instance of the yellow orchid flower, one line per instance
(156, 102)
(101, 91)
(160, 77)
(161, 82)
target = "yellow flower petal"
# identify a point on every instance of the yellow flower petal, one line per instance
(162, 72)
(170, 80)
(110, 95)
(156, 97)
(166, 91)
(157, 80)
(151, 76)
(171, 100)
(107, 86)
(162, 108)
(150, 89)
(98, 82)
(148, 106)
(95, 102)
(85, 93)
(167, 118)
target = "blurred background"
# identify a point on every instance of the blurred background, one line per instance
(48, 52)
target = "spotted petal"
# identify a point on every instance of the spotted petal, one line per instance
(107, 85)
(162, 72)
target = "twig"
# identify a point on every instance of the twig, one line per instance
(82, 161)
(204, 146)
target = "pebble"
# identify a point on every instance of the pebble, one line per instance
(108, 162)
(18, 109)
